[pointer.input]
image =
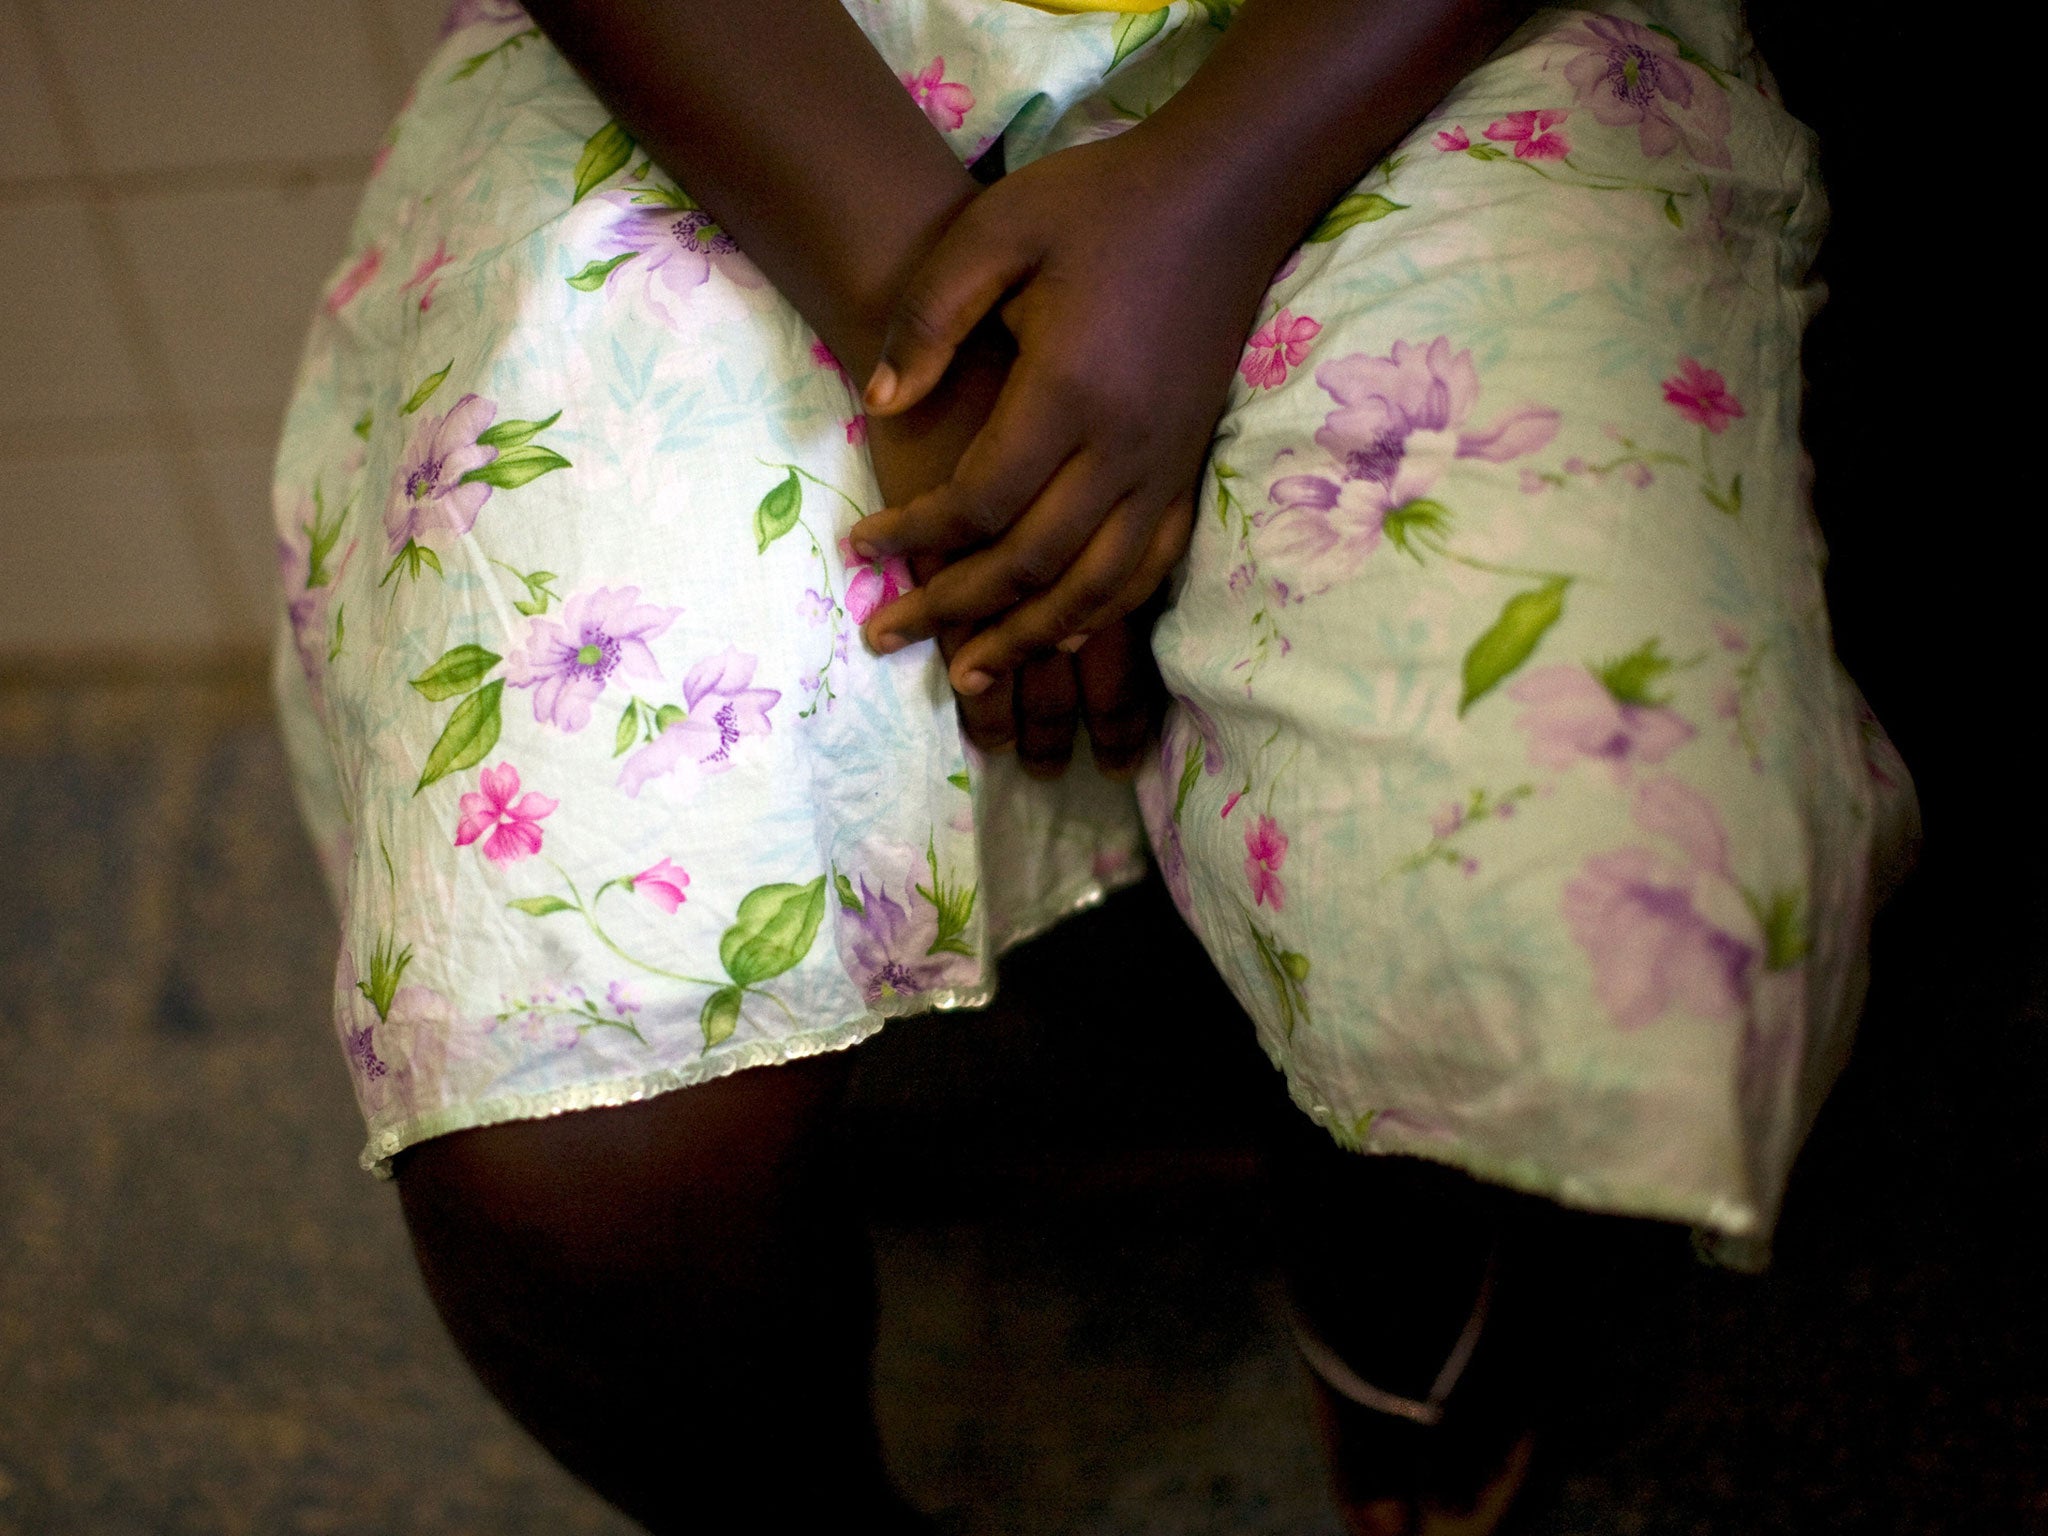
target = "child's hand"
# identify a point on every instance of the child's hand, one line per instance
(1113, 684)
(1130, 308)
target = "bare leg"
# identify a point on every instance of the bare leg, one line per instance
(674, 1297)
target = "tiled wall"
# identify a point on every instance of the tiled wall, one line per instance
(176, 178)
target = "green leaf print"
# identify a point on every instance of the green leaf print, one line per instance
(1512, 639)
(721, 1015)
(420, 396)
(509, 471)
(960, 781)
(1417, 525)
(1190, 770)
(471, 733)
(1628, 679)
(628, 731)
(954, 903)
(322, 534)
(592, 277)
(510, 46)
(457, 671)
(362, 426)
(515, 434)
(387, 964)
(1359, 208)
(1783, 920)
(775, 928)
(541, 906)
(848, 901)
(1134, 32)
(778, 511)
(605, 153)
(668, 715)
(1671, 210)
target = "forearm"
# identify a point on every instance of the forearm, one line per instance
(782, 120)
(1302, 97)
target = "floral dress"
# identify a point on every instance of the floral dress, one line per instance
(1511, 781)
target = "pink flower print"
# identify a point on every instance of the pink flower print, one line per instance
(1397, 427)
(824, 357)
(857, 431)
(1637, 474)
(722, 710)
(1533, 134)
(568, 662)
(875, 583)
(1278, 345)
(1638, 915)
(1451, 140)
(1265, 850)
(675, 252)
(1701, 395)
(1533, 483)
(945, 102)
(423, 279)
(513, 824)
(1630, 76)
(354, 280)
(1448, 819)
(1572, 715)
(661, 884)
(429, 493)
(623, 998)
(1230, 804)
(1730, 636)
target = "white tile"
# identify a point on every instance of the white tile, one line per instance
(28, 139)
(238, 482)
(94, 553)
(65, 359)
(210, 82)
(230, 280)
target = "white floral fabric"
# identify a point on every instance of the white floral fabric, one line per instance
(1511, 781)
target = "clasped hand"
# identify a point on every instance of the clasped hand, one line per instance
(1074, 500)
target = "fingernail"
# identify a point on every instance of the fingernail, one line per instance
(887, 644)
(1073, 643)
(972, 683)
(881, 388)
(865, 550)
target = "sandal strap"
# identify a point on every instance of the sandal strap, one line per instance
(1337, 1374)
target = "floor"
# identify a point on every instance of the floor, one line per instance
(209, 1321)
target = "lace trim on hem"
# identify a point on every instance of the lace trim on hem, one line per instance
(609, 1093)
(1732, 1233)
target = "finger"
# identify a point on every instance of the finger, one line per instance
(1030, 559)
(1120, 689)
(1097, 589)
(967, 272)
(1048, 697)
(1029, 434)
(987, 719)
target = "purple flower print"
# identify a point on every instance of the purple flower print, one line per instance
(1572, 714)
(1155, 806)
(1396, 428)
(623, 997)
(392, 1055)
(722, 709)
(888, 944)
(428, 494)
(945, 102)
(568, 663)
(1630, 76)
(1451, 140)
(512, 820)
(1638, 915)
(675, 251)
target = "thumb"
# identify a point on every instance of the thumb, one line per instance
(953, 288)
